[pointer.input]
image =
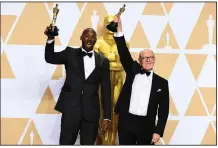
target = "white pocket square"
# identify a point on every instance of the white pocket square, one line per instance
(159, 90)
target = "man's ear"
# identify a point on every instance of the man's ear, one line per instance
(154, 59)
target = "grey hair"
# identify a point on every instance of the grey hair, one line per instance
(146, 50)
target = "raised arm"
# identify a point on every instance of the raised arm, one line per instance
(125, 56)
(54, 57)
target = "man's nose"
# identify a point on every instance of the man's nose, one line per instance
(147, 60)
(89, 39)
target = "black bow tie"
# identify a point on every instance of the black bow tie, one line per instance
(83, 53)
(142, 71)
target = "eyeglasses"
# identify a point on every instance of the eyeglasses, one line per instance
(146, 58)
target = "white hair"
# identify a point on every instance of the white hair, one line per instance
(146, 49)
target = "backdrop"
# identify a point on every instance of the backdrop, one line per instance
(183, 36)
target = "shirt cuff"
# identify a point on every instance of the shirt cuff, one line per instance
(107, 119)
(50, 41)
(118, 34)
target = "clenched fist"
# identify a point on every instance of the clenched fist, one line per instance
(51, 31)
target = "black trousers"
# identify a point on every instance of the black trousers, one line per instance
(71, 125)
(134, 131)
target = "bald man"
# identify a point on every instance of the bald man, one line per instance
(79, 100)
(144, 96)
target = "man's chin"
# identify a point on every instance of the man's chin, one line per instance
(89, 48)
(148, 68)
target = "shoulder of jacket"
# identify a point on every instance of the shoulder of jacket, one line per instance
(71, 49)
(161, 78)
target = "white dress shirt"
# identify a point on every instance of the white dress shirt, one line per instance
(141, 88)
(89, 63)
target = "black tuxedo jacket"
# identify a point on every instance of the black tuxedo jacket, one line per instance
(159, 96)
(77, 92)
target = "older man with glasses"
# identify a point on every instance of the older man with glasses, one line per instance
(144, 96)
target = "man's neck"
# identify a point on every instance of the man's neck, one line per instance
(86, 50)
(150, 70)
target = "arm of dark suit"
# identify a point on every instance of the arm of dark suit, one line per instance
(163, 111)
(106, 90)
(125, 56)
(55, 57)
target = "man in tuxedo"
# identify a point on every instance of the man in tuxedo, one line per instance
(143, 96)
(79, 100)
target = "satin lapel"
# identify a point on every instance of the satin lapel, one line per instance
(97, 60)
(79, 64)
(153, 89)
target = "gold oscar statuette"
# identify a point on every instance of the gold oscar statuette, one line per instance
(113, 25)
(54, 30)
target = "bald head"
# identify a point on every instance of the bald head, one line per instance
(88, 39)
(87, 30)
(147, 59)
(146, 52)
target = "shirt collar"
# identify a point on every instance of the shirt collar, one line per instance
(152, 71)
(92, 51)
(151, 75)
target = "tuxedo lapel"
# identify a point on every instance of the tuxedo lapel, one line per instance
(153, 89)
(97, 60)
(78, 63)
